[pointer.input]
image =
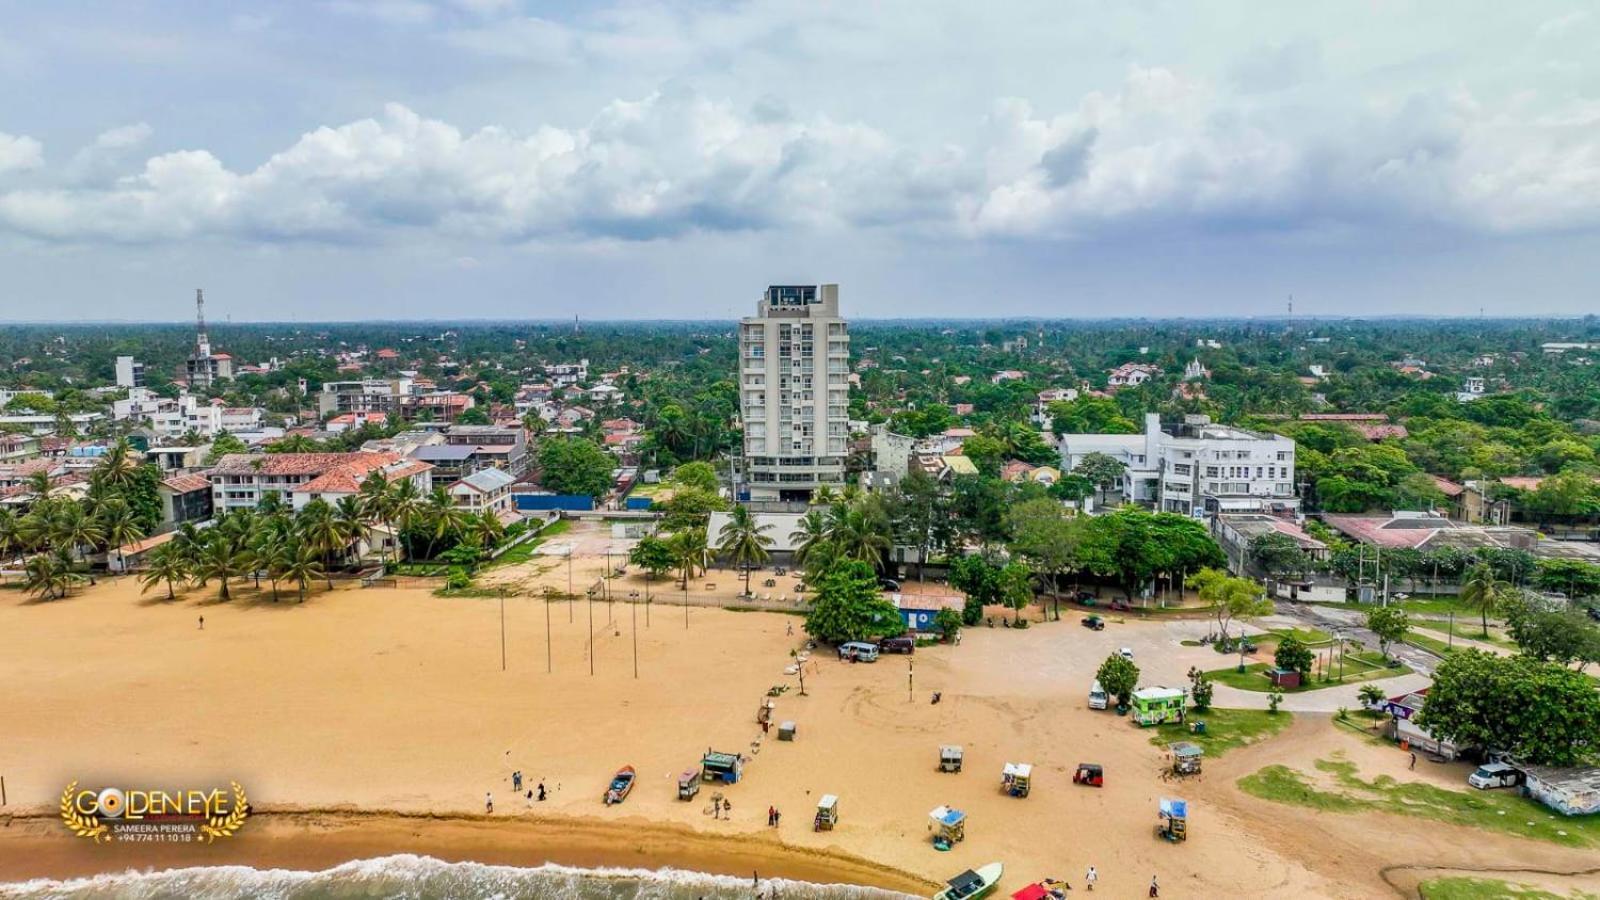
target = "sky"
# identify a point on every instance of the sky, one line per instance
(453, 159)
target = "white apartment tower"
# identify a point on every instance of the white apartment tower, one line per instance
(794, 370)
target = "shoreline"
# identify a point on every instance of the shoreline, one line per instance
(34, 846)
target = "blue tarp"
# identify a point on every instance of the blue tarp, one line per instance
(638, 503)
(1175, 808)
(535, 502)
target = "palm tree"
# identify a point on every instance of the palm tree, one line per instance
(46, 576)
(377, 498)
(353, 521)
(443, 517)
(484, 530)
(405, 505)
(121, 527)
(220, 559)
(690, 550)
(272, 554)
(39, 484)
(116, 468)
(744, 539)
(165, 564)
(324, 531)
(302, 566)
(860, 531)
(1482, 590)
(75, 529)
(294, 443)
(186, 542)
(10, 533)
(810, 534)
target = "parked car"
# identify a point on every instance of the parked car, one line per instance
(902, 644)
(1084, 597)
(1126, 653)
(1097, 696)
(1494, 775)
(1093, 623)
(1121, 606)
(889, 584)
(858, 651)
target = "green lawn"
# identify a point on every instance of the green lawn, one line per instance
(1472, 631)
(523, 552)
(1500, 811)
(1225, 729)
(1357, 667)
(1486, 889)
(1309, 636)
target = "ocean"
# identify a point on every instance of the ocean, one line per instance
(426, 878)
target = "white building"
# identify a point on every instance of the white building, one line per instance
(486, 490)
(130, 373)
(1195, 467)
(170, 418)
(794, 366)
(568, 374)
(242, 480)
(365, 395)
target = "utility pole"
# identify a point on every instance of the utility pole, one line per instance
(549, 665)
(591, 631)
(502, 629)
(635, 639)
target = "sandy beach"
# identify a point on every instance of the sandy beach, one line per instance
(373, 721)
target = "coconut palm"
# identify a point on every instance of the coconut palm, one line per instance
(690, 550)
(745, 540)
(116, 469)
(324, 531)
(405, 506)
(39, 484)
(301, 567)
(186, 542)
(121, 527)
(810, 534)
(353, 521)
(76, 530)
(10, 533)
(376, 497)
(483, 530)
(165, 564)
(860, 531)
(294, 443)
(46, 576)
(1482, 590)
(442, 516)
(219, 558)
(271, 554)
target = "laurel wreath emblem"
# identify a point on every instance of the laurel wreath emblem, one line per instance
(82, 825)
(225, 826)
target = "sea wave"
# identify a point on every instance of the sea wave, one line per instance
(426, 878)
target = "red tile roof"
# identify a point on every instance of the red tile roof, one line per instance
(184, 484)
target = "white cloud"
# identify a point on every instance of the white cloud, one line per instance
(123, 137)
(19, 152)
(390, 12)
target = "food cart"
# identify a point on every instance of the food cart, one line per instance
(950, 758)
(1158, 705)
(1186, 758)
(688, 784)
(827, 813)
(723, 767)
(1016, 779)
(949, 827)
(1174, 819)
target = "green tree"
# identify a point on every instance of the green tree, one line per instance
(745, 540)
(222, 445)
(1120, 678)
(1231, 597)
(698, 475)
(165, 565)
(575, 466)
(1547, 633)
(948, 622)
(1101, 470)
(1016, 587)
(1543, 713)
(302, 566)
(220, 559)
(1572, 577)
(1293, 655)
(1371, 695)
(653, 555)
(120, 527)
(689, 507)
(1389, 623)
(1482, 590)
(1279, 555)
(1090, 415)
(849, 607)
(1201, 689)
(1045, 537)
(979, 579)
(691, 552)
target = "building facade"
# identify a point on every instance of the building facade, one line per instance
(794, 368)
(130, 372)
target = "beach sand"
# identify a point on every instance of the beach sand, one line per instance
(366, 701)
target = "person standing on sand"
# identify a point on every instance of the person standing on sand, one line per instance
(771, 812)
(202, 623)
(1413, 760)
(1090, 877)
(1155, 889)
(541, 792)
(488, 802)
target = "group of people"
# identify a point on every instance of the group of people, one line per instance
(773, 816)
(516, 788)
(1058, 888)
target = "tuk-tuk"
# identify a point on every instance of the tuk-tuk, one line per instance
(949, 827)
(1016, 779)
(950, 758)
(1174, 816)
(1090, 774)
(827, 813)
(688, 784)
(723, 767)
(1186, 758)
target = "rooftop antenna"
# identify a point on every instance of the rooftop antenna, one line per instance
(576, 328)
(202, 344)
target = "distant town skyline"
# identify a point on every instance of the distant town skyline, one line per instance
(498, 159)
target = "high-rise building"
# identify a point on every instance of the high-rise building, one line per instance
(130, 372)
(794, 370)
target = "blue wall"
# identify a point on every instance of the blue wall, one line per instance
(536, 502)
(638, 503)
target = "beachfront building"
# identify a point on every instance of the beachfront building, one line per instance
(243, 480)
(1194, 467)
(794, 365)
(486, 490)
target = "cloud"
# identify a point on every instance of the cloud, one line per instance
(1562, 24)
(1159, 150)
(19, 152)
(389, 12)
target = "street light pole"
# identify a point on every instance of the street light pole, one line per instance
(591, 631)
(502, 629)
(635, 639)
(549, 665)
(570, 596)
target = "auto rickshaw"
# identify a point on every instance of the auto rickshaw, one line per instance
(689, 784)
(1174, 816)
(827, 813)
(949, 827)
(1016, 779)
(1186, 758)
(950, 758)
(1090, 774)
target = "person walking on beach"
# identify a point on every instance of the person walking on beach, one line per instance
(530, 799)
(541, 792)
(488, 802)
(1155, 888)
(516, 780)
(716, 807)
(727, 810)
(1413, 760)
(1090, 877)
(202, 623)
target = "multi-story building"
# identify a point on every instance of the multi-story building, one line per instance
(367, 395)
(130, 372)
(794, 367)
(568, 374)
(1194, 467)
(242, 480)
(204, 368)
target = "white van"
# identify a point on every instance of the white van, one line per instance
(859, 651)
(1494, 775)
(1097, 696)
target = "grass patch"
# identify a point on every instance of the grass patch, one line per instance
(1311, 637)
(1357, 667)
(1483, 889)
(1472, 631)
(1225, 729)
(1498, 811)
(1428, 642)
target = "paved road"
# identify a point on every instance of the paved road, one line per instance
(1351, 623)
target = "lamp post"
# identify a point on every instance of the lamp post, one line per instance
(502, 629)
(570, 596)
(591, 631)
(635, 639)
